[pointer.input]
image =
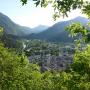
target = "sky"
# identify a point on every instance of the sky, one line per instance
(29, 15)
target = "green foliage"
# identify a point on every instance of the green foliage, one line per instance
(62, 7)
(82, 61)
(86, 9)
(79, 31)
(1, 29)
(12, 28)
(77, 28)
(81, 69)
(1, 33)
(15, 71)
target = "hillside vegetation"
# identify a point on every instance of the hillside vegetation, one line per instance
(16, 73)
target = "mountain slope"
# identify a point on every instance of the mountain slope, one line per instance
(39, 28)
(12, 28)
(57, 32)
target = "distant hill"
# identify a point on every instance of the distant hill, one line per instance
(57, 32)
(12, 28)
(39, 28)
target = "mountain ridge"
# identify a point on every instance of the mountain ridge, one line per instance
(12, 28)
(57, 31)
(39, 28)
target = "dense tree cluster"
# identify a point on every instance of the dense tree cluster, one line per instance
(16, 73)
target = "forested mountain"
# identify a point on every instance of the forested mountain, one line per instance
(12, 28)
(57, 32)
